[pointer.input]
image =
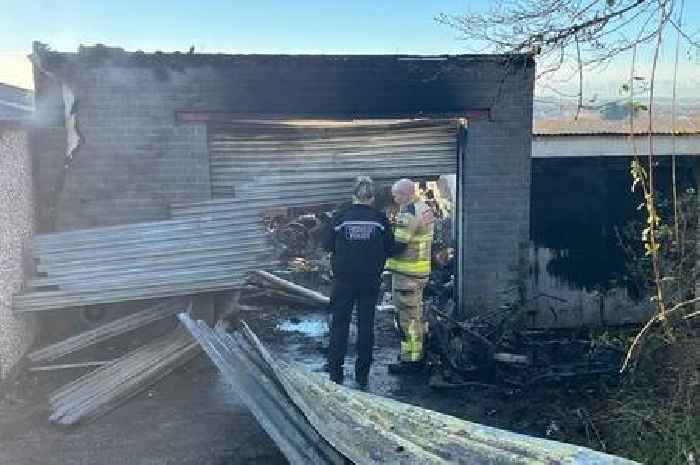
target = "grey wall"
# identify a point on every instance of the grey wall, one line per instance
(496, 187)
(48, 148)
(619, 145)
(16, 227)
(135, 157)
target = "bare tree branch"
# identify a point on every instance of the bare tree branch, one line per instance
(683, 34)
(649, 324)
(560, 33)
(580, 80)
(653, 214)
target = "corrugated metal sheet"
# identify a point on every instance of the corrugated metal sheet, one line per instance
(162, 309)
(246, 156)
(104, 389)
(592, 124)
(143, 261)
(315, 421)
(269, 193)
(255, 383)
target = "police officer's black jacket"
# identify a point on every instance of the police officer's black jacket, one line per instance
(360, 238)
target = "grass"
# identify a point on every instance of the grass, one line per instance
(652, 416)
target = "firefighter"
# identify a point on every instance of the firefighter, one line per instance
(410, 268)
(360, 239)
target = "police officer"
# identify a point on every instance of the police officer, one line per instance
(360, 240)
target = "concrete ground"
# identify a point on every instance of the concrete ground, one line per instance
(192, 417)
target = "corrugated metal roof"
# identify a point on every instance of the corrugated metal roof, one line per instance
(16, 104)
(591, 125)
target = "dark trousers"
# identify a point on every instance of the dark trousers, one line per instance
(349, 290)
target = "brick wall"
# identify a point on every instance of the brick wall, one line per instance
(16, 226)
(135, 157)
(496, 186)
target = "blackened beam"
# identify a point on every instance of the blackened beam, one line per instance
(291, 287)
(230, 117)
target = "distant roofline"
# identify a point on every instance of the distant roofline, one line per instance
(595, 125)
(613, 133)
(100, 54)
(107, 50)
(17, 88)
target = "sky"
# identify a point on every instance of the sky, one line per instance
(252, 26)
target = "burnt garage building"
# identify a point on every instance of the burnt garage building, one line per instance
(122, 136)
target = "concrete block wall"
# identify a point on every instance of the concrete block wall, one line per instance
(496, 201)
(16, 228)
(135, 157)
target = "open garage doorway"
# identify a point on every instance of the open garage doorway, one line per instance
(299, 171)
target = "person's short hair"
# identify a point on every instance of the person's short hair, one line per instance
(363, 189)
(405, 187)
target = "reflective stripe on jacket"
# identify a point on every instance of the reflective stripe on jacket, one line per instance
(414, 227)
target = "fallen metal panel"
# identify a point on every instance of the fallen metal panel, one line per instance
(151, 271)
(140, 232)
(370, 429)
(53, 300)
(177, 257)
(68, 366)
(109, 386)
(172, 249)
(109, 330)
(254, 383)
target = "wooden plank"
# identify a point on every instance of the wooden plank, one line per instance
(292, 287)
